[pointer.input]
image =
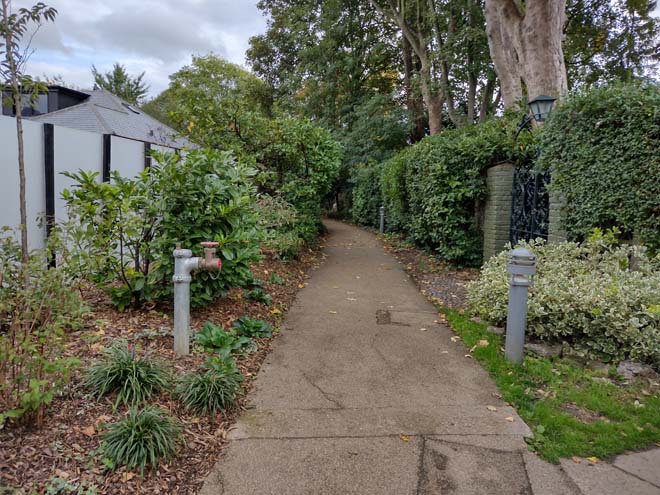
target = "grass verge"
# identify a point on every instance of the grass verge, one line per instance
(573, 411)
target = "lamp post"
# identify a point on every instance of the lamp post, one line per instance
(541, 107)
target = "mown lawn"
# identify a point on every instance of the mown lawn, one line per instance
(573, 411)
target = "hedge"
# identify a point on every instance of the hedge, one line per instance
(367, 198)
(431, 189)
(602, 147)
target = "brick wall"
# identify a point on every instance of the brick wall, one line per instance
(497, 209)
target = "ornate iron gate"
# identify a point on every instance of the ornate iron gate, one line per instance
(530, 204)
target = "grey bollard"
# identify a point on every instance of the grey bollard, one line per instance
(521, 266)
(382, 219)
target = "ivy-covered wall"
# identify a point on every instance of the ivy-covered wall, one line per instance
(602, 147)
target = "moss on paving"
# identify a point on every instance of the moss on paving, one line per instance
(571, 410)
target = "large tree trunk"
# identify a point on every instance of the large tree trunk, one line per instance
(413, 103)
(526, 46)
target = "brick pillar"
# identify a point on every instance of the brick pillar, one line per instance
(556, 231)
(497, 210)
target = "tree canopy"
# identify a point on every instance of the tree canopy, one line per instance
(120, 83)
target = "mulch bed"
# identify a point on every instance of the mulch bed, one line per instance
(67, 446)
(437, 279)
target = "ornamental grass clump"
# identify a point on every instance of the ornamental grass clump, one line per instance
(599, 298)
(214, 388)
(143, 438)
(134, 378)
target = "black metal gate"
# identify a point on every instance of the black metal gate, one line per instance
(530, 204)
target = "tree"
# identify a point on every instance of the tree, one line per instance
(20, 87)
(525, 41)
(120, 83)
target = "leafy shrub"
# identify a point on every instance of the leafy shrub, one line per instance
(259, 295)
(214, 338)
(134, 378)
(252, 328)
(602, 147)
(367, 197)
(431, 188)
(213, 389)
(122, 233)
(600, 299)
(37, 305)
(143, 438)
(284, 230)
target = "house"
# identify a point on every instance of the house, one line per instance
(101, 112)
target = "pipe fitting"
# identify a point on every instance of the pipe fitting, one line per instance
(210, 262)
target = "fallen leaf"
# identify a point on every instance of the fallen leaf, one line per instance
(90, 431)
(482, 343)
(455, 338)
(404, 438)
(351, 299)
(444, 352)
(593, 459)
(275, 311)
(128, 476)
(195, 421)
(576, 460)
(468, 356)
(423, 329)
(509, 419)
(491, 408)
(332, 312)
(301, 286)
(62, 474)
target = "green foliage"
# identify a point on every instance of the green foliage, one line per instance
(259, 295)
(602, 147)
(252, 328)
(214, 338)
(598, 298)
(284, 230)
(122, 233)
(367, 197)
(134, 378)
(60, 486)
(37, 307)
(431, 188)
(213, 389)
(625, 418)
(120, 83)
(143, 438)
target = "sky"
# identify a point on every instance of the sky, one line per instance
(154, 36)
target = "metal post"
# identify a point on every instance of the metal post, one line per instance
(184, 264)
(382, 219)
(521, 266)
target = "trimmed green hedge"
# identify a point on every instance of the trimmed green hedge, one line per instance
(431, 189)
(602, 147)
(367, 198)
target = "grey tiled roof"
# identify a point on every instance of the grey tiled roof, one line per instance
(105, 113)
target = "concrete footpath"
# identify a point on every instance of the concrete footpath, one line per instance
(365, 393)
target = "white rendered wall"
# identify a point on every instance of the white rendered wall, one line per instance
(74, 150)
(35, 194)
(126, 157)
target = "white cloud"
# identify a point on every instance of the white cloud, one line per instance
(157, 37)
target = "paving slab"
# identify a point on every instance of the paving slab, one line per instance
(644, 465)
(605, 479)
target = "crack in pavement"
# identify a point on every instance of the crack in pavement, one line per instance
(326, 396)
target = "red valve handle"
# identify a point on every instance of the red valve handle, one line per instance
(210, 244)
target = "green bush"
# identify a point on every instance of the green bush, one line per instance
(600, 299)
(134, 378)
(602, 147)
(284, 230)
(38, 304)
(431, 188)
(143, 438)
(122, 233)
(367, 197)
(214, 338)
(213, 389)
(248, 327)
